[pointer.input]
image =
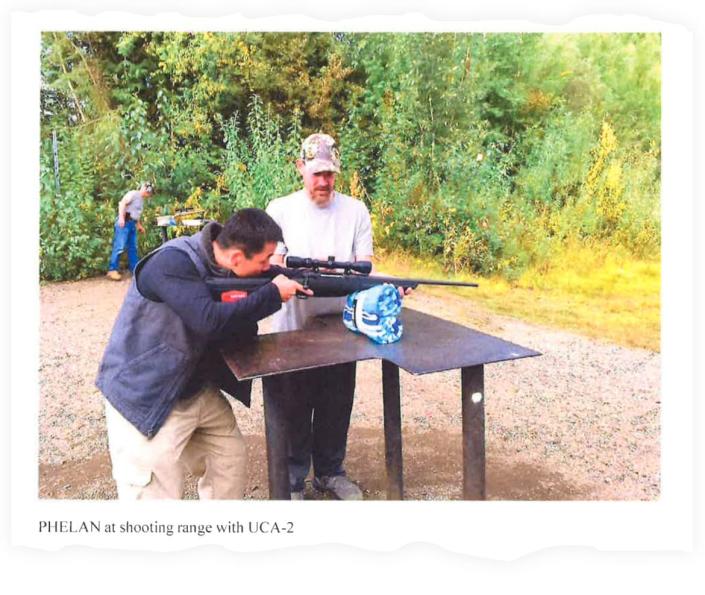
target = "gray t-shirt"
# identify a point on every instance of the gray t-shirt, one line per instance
(341, 229)
(135, 204)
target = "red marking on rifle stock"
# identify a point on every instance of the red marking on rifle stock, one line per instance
(233, 296)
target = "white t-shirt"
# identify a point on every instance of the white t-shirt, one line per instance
(134, 204)
(341, 229)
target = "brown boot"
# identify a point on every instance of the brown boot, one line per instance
(114, 275)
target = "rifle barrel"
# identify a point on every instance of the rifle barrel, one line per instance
(366, 281)
(432, 282)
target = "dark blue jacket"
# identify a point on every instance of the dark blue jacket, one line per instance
(152, 352)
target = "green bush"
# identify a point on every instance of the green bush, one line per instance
(488, 152)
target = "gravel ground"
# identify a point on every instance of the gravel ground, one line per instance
(581, 422)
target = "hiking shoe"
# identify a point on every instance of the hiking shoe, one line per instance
(339, 486)
(114, 275)
(297, 495)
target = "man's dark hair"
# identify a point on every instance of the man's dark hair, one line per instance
(249, 230)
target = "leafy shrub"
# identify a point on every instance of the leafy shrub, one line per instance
(487, 152)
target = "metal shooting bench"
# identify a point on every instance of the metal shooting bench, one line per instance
(429, 344)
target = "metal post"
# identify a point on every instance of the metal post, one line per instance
(276, 432)
(473, 399)
(55, 145)
(391, 395)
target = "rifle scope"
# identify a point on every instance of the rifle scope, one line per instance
(362, 266)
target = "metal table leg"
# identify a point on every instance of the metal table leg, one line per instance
(276, 431)
(391, 395)
(473, 398)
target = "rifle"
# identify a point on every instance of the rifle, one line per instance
(323, 283)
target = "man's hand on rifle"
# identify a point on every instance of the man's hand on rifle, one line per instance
(288, 287)
(140, 228)
(402, 291)
(375, 273)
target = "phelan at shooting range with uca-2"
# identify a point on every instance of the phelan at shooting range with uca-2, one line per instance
(350, 266)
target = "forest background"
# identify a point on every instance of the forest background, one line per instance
(529, 160)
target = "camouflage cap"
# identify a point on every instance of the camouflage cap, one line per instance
(320, 153)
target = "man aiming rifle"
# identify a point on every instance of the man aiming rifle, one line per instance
(162, 371)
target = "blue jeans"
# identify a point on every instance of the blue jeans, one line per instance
(125, 238)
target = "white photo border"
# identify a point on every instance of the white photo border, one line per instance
(493, 529)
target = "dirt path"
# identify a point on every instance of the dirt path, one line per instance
(581, 422)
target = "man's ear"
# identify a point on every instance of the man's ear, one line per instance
(300, 165)
(237, 256)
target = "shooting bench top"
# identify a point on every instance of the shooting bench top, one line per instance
(429, 344)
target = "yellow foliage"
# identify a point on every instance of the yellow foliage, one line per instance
(506, 211)
(550, 221)
(194, 201)
(464, 248)
(610, 205)
(538, 101)
(379, 217)
(604, 183)
(220, 184)
(598, 291)
(356, 188)
(607, 144)
(200, 123)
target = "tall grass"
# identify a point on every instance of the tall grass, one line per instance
(605, 293)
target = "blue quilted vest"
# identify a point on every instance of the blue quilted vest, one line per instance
(152, 354)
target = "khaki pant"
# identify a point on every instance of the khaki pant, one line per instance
(200, 435)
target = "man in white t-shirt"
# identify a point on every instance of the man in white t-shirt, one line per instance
(318, 222)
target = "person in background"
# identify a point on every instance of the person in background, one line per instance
(127, 225)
